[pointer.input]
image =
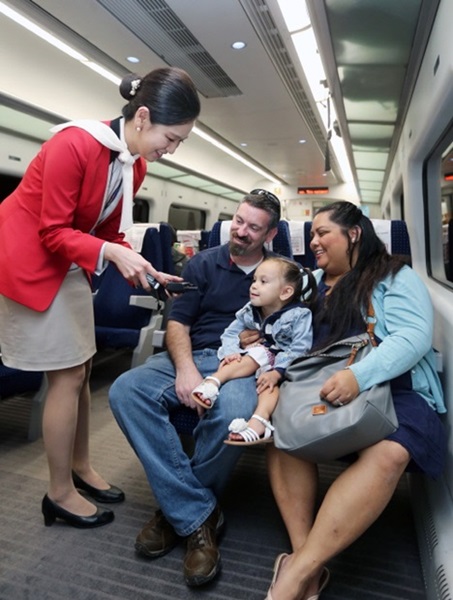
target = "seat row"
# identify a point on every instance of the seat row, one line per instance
(126, 317)
(293, 240)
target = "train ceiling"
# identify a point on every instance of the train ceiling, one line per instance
(255, 101)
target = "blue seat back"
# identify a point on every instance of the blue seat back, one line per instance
(204, 241)
(281, 244)
(400, 239)
(166, 241)
(184, 420)
(306, 258)
(282, 241)
(393, 233)
(16, 381)
(152, 248)
(111, 302)
(117, 323)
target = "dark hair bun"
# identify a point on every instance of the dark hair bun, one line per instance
(129, 85)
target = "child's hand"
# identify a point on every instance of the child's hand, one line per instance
(249, 336)
(267, 380)
(231, 358)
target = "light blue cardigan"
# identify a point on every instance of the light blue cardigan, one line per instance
(404, 323)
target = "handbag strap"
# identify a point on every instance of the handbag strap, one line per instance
(370, 324)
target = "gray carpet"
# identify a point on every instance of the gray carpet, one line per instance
(40, 563)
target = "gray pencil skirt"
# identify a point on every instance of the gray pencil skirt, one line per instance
(58, 338)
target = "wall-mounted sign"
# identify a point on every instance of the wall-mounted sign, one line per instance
(311, 191)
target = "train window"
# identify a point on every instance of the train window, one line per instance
(447, 232)
(8, 184)
(140, 211)
(401, 205)
(225, 216)
(439, 208)
(185, 218)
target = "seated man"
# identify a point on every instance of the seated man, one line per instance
(186, 488)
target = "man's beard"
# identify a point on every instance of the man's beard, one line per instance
(237, 249)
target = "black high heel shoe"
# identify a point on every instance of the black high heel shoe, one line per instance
(113, 494)
(53, 511)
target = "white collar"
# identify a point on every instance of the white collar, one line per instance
(106, 136)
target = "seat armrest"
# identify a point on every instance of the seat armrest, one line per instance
(145, 302)
(159, 338)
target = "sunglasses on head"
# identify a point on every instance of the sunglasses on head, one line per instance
(269, 196)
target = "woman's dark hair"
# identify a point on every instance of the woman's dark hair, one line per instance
(300, 278)
(349, 299)
(168, 93)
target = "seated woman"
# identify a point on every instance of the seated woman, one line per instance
(355, 265)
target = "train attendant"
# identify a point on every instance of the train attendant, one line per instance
(64, 222)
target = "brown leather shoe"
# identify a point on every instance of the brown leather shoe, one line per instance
(202, 560)
(157, 537)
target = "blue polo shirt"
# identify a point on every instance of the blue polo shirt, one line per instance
(223, 289)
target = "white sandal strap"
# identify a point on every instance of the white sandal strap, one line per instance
(208, 391)
(267, 424)
(249, 435)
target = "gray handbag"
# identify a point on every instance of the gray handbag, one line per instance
(315, 430)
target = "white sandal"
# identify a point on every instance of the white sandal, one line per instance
(249, 436)
(325, 577)
(206, 391)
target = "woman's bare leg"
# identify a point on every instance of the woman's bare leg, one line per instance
(353, 502)
(59, 431)
(294, 484)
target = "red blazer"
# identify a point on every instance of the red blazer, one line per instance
(45, 223)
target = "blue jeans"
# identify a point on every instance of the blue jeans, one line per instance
(185, 488)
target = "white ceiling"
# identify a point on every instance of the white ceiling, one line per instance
(265, 114)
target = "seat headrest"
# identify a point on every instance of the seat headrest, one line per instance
(281, 243)
(134, 235)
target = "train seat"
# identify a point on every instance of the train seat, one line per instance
(204, 240)
(14, 382)
(195, 240)
(135, 235)
(145, 243)
(220, 234)
(126, 317)
(190, 239)
(395, 236)
(393, 233)
(300, 243)
(166, 235)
